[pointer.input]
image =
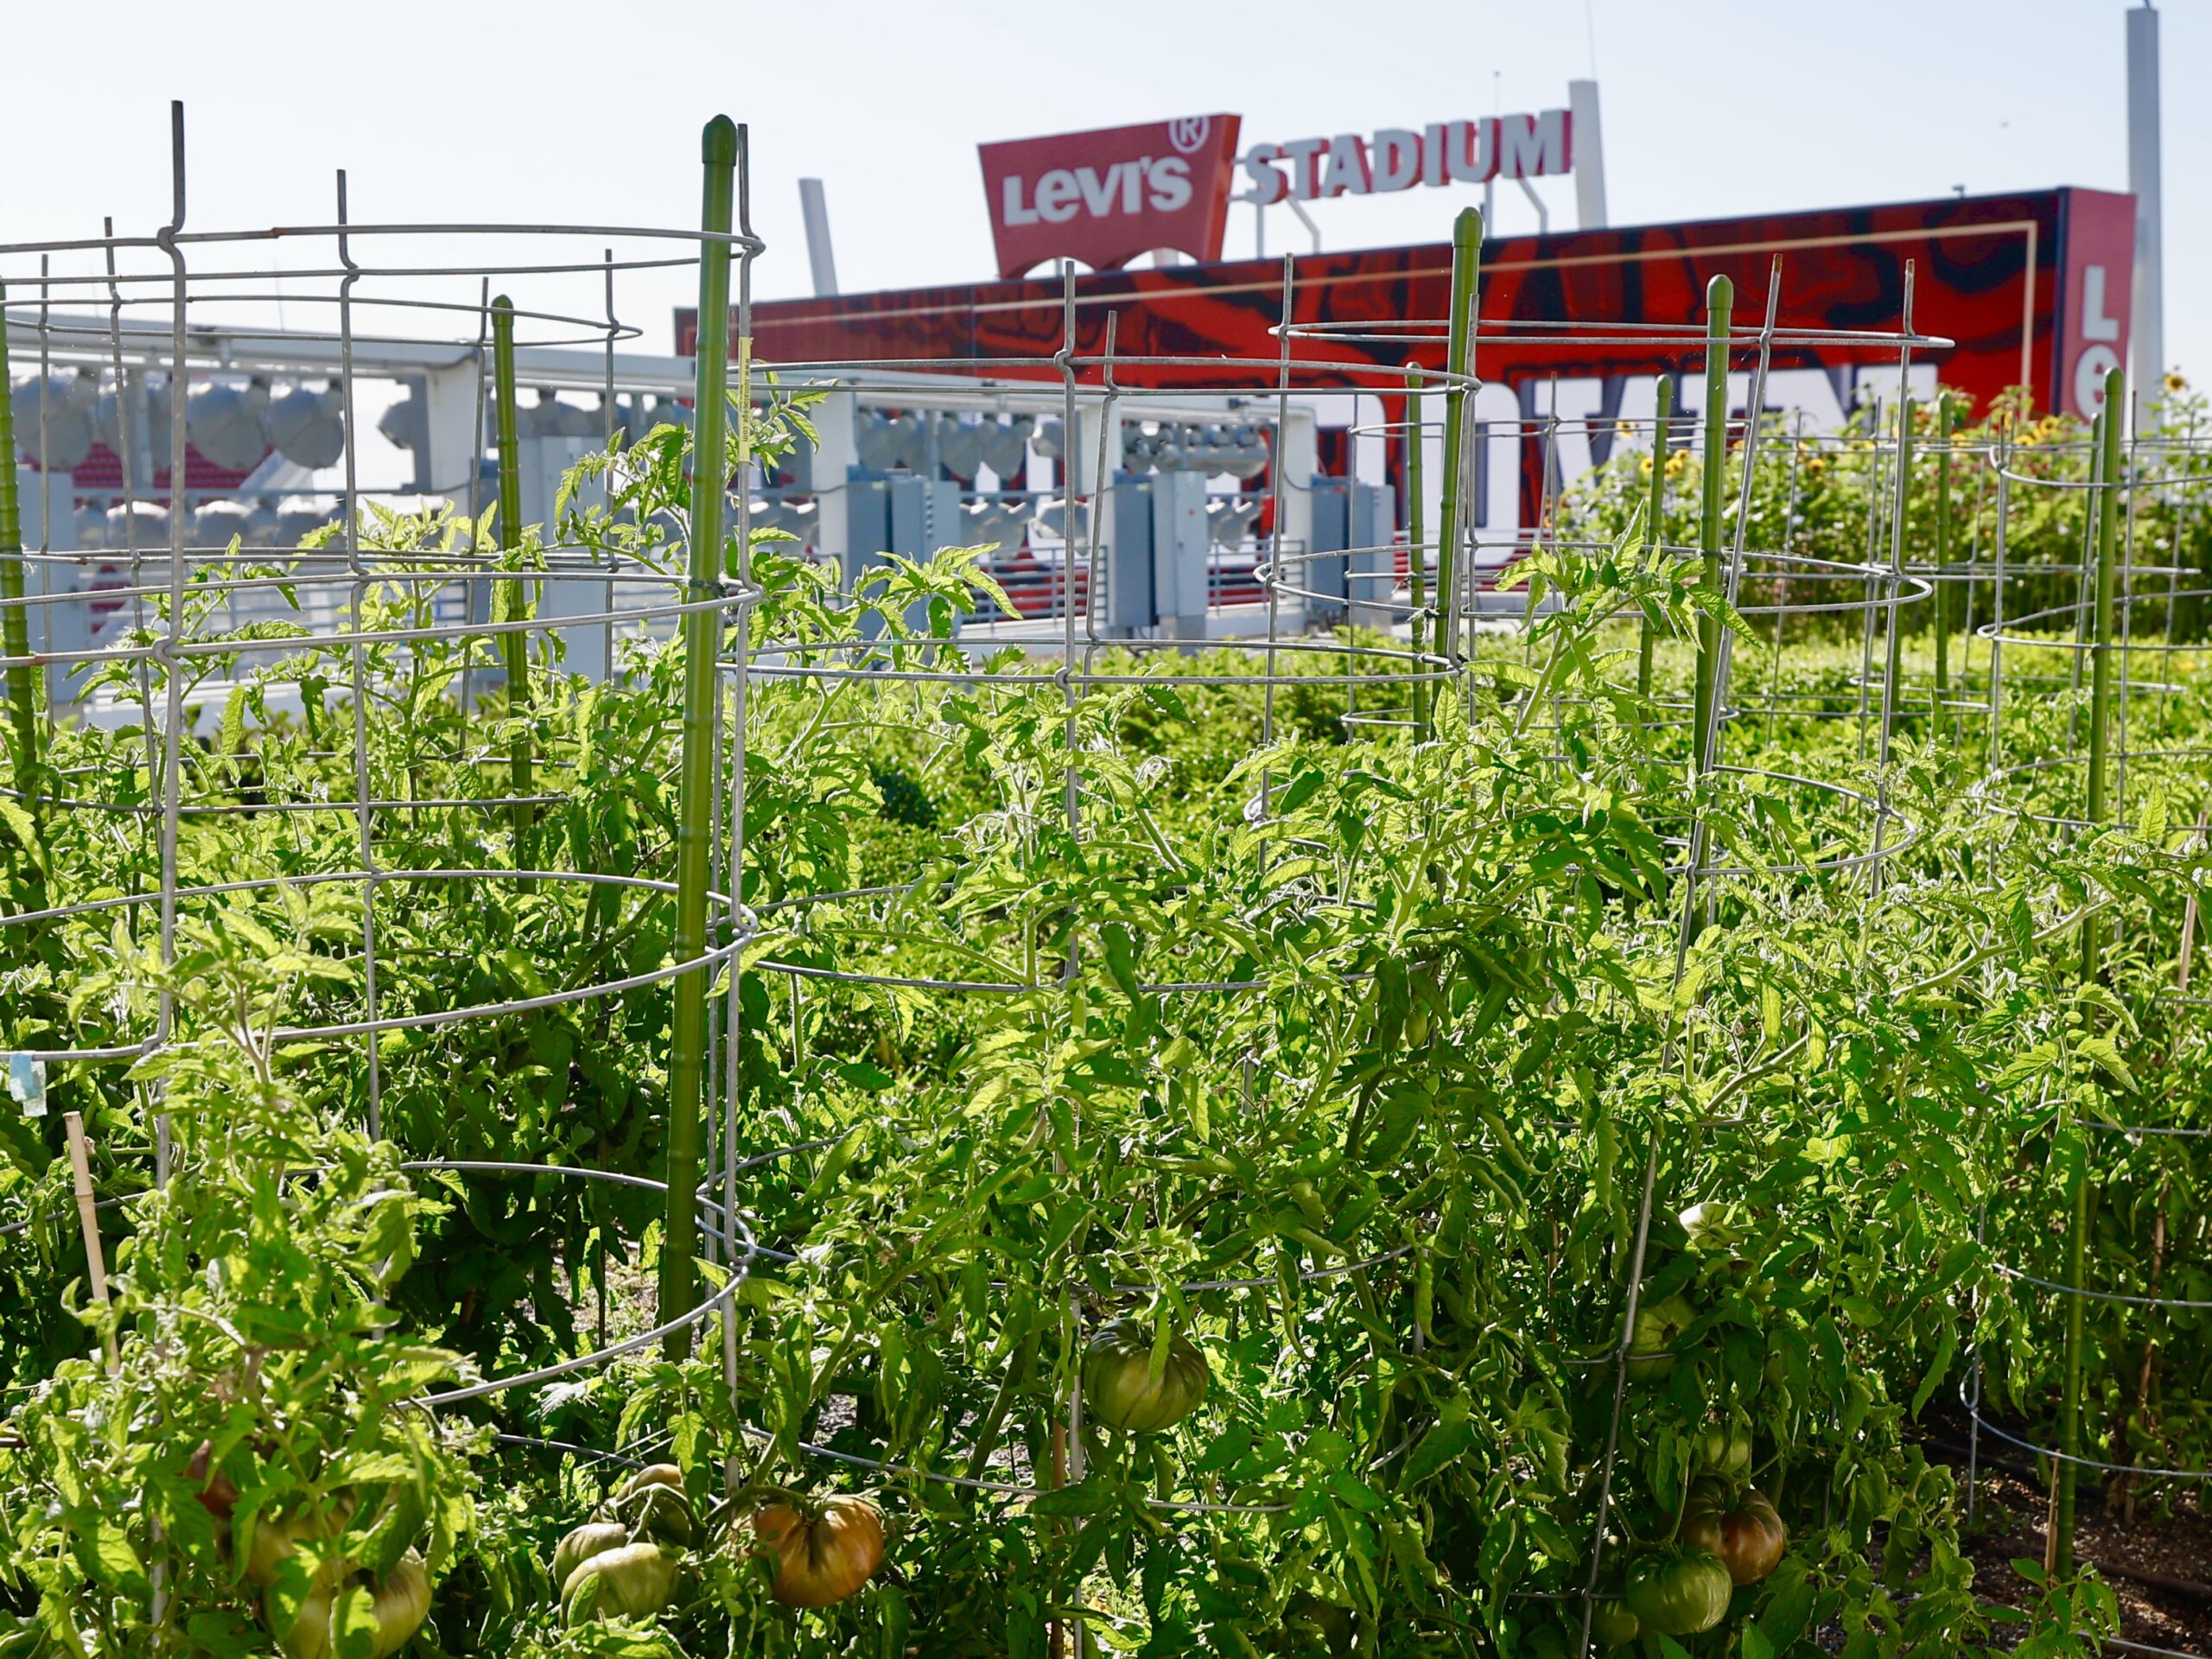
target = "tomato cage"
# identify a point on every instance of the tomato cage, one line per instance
(254, 669)
(1417, 628)
(2099, 747)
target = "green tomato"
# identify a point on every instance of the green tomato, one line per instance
(399, 1601)
(275, 1541)
(1611, 1624)
(1714, 1226)
(1659, 1325)
(631, 1582)
(653, 1504)
(1118, 1388)
(1312, 1625)
(1725, 1451)
(592, 1538)
(402, 1600)
(1678, 1591)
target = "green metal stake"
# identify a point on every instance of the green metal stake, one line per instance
(1654, 519)
(1466, 266)
(2058, 1551)
(1893, 637)
(1943, 553)
(1416, 548)
(1719, 305)
(15, 627)
(513, 647)
(687, 1064)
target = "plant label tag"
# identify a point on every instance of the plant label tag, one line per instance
(27, 1083)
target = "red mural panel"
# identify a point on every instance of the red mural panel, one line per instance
(1990, 273)
(2099, 276)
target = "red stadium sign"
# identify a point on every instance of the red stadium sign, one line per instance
(2099, 277)
(1105, 197)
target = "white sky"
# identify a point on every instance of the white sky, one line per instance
(557, 110)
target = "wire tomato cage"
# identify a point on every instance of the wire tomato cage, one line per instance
(346, 705)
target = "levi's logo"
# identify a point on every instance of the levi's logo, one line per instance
(1109, 196)
(1161, 183)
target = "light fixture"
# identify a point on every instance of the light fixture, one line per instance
(69, 400)
(228, 424)
(959, 445)
(1006, 446)
(308, 427)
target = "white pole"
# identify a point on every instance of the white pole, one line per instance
(2150, 322)
(815, 209)
(1589, 142)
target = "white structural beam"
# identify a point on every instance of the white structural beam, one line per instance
(1589, 150)
(2143, 169)
(454, 443)
(813, 207)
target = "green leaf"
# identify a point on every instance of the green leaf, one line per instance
(353, 1623)
(1087, 1496)
(2106, 1054)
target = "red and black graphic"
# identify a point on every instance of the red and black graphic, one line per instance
(1990, 273)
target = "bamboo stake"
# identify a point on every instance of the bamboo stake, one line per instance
(1467, 267)
(15, 628)
(2058, 1547)
(1720, 304)
(88, 1218)
(695, 785)
(514, 647)
(2189, 914)
(1655, 520)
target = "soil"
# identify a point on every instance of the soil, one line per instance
(2159, 1565)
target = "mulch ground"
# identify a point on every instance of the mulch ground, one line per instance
(2160, 1565)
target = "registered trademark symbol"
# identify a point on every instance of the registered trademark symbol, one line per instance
(1188, 132)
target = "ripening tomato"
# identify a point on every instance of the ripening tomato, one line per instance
(1678, 1591)
(1753, 1539)
(822, 1558)
(629, 1581)
(219, 1493)
(1658, 1326)
(1748, 1537)
(1706, 1503)
(1118, 1388)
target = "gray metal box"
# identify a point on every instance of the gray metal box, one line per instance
(1128, 608)
(1181, 547)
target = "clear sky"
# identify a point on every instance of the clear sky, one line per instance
(558, 111)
